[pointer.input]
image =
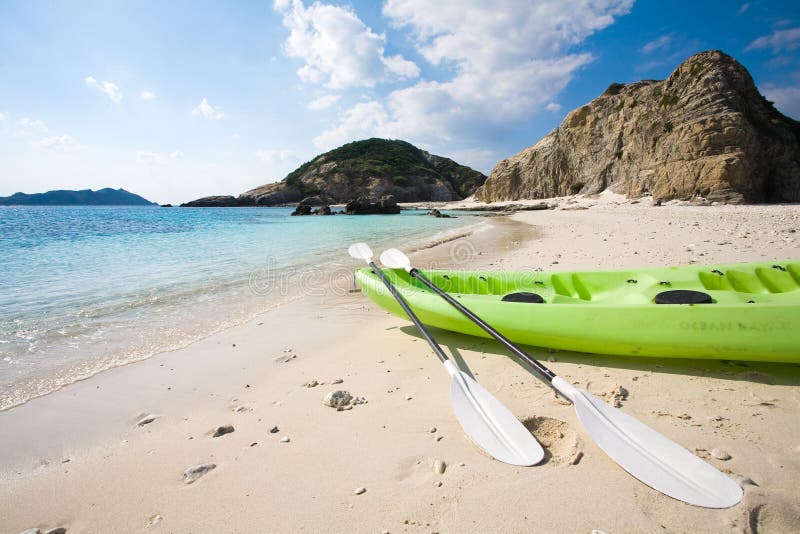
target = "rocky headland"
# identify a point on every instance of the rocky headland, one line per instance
(368, 172)
(703, 133)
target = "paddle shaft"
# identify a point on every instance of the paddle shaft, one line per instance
(414, 319)
(545, 374)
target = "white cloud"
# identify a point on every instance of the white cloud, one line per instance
(553, 107)
(778, 41)
(338, 49)
(361, 121)
(744, 7)
(59, 143)
(147, 95)
(110, 89)
(277, 155)
(156, 158)
(661, 42)
(323, 102)
(204, 109)
(27, 127)
(509, 59)
(3, 116)
(786, 99)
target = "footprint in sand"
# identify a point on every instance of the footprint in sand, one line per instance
(560, 442)
(775, 516)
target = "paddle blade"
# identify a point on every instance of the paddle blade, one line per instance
(360, 251)
(649, 456)
(395, 259)
(489, 424)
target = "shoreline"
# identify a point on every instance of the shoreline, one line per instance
(292, 282)
(386, 445)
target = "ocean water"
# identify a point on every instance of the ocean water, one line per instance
(83, 289)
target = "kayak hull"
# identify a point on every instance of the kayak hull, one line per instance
(753, 314)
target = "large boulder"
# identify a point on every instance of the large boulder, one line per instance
(214, 202)
(363, 206)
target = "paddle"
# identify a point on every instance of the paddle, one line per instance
(644, 453)
(488, 423)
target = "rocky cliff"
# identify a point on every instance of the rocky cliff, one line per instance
(705, 132)
(367, 170)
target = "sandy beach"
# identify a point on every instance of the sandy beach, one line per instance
(109, 454)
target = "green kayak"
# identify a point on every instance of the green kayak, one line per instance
(745, 311)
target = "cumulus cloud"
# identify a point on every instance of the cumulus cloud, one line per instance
(323, 102)
(662, 42)
(277, 155)
(508, 60)
(110, 89)
(362, 120)
(338, 49)
(553, 107)
(58, 143)
(777, 41)
(156, 158)
(27, 127)
(786, 99)
(147, 95)
(204, 109)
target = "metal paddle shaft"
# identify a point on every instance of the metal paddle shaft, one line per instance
(489, 424)
(644, 453)
(546, 374)
(411, 315)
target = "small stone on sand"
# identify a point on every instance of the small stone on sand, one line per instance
(719, 454)
(359, 491)
(432, 430)
(338, 398)
(274, 430)
(31, 531)
(438, 484)
(337, 381)
(57, 530)
(153, 521)
(439, 438)
(310, 384)
(196, 471)
(285, 439)
(221, 430)
(439, 466)
(147, 419)
(409, 397)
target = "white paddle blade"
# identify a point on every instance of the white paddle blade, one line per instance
(395, 259)
(360, 251)
(649, 456)
(489, 424)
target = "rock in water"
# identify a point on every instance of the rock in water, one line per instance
(705, 132)
(337, 399)
(196, 471)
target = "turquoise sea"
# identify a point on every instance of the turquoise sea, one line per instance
(83, 289)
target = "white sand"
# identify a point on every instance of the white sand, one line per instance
(119, 476)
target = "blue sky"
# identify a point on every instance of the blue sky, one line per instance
(181, 99)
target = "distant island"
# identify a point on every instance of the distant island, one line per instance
(84, 197)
